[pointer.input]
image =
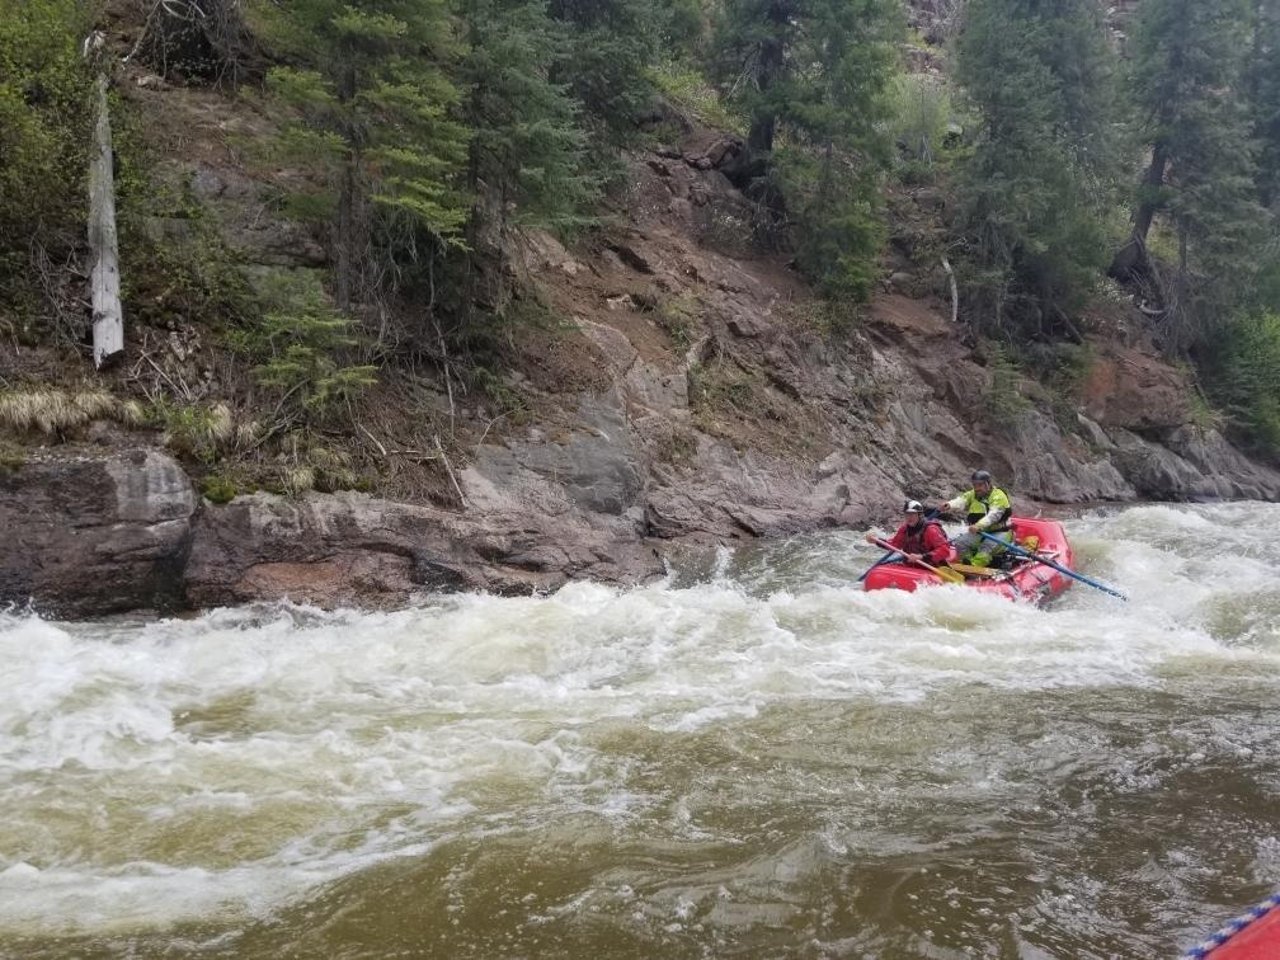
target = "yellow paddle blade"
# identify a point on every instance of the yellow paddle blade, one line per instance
(949, 575)
(971, 571)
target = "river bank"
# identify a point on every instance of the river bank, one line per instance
(682, 390)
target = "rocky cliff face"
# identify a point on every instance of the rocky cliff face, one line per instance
(701, 395)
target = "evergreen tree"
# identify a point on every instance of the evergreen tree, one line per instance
(373, 99)
(816, 72)
(1187, 84)
(527, 162)
(608, 46)
(1042, 171)
(527, 148)
(1264, 98)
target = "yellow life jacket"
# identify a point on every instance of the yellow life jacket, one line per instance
(978, 507)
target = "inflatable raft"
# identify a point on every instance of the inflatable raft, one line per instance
(1023, 580)
(1254, 935)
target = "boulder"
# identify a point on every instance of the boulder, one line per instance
(90, 533)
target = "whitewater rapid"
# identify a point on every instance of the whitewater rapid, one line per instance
(741, 759)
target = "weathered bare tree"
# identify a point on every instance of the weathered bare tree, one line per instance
(108, 315)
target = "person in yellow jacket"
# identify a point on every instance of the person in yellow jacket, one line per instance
(986, 510)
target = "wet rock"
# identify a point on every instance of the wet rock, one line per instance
(88, 533)
(596, 467)
(352, 549)
(1235, 475)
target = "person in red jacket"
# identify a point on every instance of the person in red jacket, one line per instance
(920, 539)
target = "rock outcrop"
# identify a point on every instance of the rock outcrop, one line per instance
(91, 534)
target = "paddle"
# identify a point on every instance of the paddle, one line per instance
(1019, 552)
(949, 576)
(893, 554)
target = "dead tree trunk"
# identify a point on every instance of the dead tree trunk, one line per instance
(108, 316)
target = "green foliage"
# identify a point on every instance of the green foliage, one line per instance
(175, 266)
(373, 100)
(681, 318)
(1005, 404)
(1263, 86)
(835, 319)
(817, 69)
(217, 488)
(689, 89)
(920, 118)
(45, 129)
(840, 229)
(302, 345)
(1040, 181)
(194, 431)
(1243, 377)
(305, 340)
(607, 47)
(814, 76)
(508, 400)
(1188, 61)
(682, 28)
(720, 387)
(528, 151)
(1063, 369)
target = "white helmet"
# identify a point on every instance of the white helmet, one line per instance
(912, 506)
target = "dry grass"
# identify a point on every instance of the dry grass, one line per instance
(248, 433)
(50, 411)
(299, 479)
(222, 425)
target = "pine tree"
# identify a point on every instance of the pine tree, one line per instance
(608, 46)
(1188, 84)
(1043, 167)
(373, 100)
(1263, 84)
(527, 163)
(816, 73)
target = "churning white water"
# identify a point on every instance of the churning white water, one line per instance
(761, 761)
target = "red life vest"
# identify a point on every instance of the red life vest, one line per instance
(913, 537)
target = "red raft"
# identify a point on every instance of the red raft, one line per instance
(1024, 580)
(1254, 935)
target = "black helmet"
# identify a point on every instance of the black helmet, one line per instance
(913, 506)
(981, 476)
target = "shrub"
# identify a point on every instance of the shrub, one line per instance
(920, 118)
(1006, 405)
(302, 347)
(194, 431)
(45, 124)
(1243, 376)
(689, 90)
(218, 489)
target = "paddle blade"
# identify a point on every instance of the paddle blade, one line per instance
(971, 571)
